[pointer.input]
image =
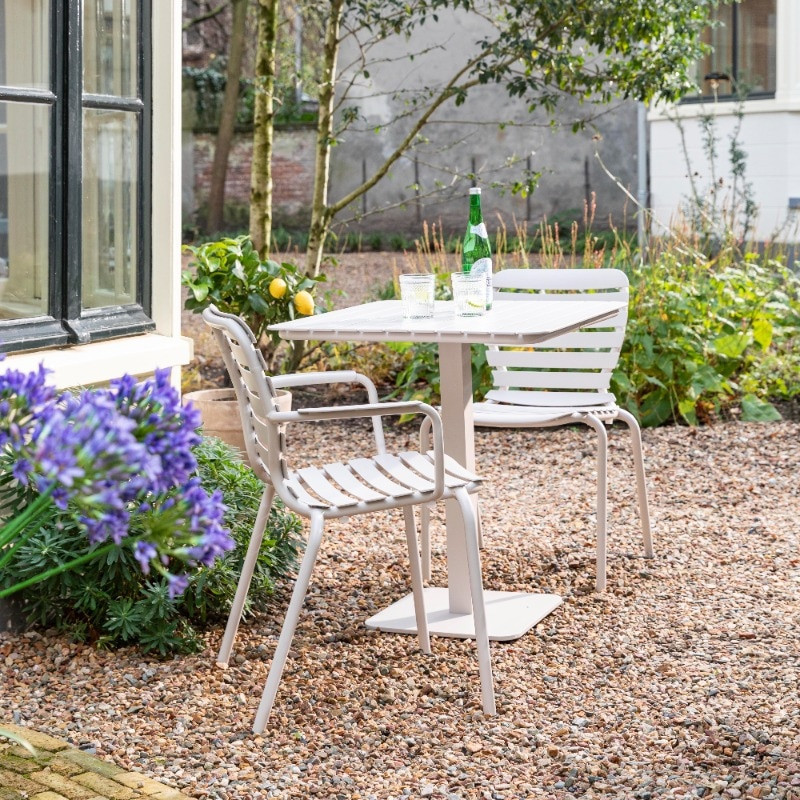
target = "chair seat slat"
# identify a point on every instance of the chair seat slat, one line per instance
(316, 480)
(296, 488)
(348, 481)
(400, 472)
(366, 469)
(455, 474)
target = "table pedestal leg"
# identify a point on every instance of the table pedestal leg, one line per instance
(455, 373)
(449, 611)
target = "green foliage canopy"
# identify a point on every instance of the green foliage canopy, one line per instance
(544, 50)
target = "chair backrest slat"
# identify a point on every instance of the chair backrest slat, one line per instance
(253, 388)
(583, 339)
(552, 359)
(581, 362)
(566, 280)
(542, 379)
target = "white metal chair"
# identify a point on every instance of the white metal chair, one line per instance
(362, 485)
(563, 382)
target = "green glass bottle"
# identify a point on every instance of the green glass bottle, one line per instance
(476, 255)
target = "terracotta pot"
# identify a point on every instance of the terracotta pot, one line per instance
(219, 411)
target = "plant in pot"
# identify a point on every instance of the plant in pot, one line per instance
(231, 274)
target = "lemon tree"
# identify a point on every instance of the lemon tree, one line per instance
(230, 274)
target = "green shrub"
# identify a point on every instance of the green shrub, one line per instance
(705, 335)
(112, 603)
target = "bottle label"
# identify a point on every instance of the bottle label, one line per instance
(479, 230)
(483, 266)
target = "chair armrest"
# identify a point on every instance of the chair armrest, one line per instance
(316, 378)
(376, 410)
(351, 412)
(335, 376)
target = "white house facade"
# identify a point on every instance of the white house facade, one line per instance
(90, 187)
(756, 46)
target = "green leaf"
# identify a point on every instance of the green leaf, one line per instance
(200, 292)
(656, 408)
(762, 332)
(686, 408)
(754, 409)
(258, 303)
(732, 345)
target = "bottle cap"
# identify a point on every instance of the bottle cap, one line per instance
(475, 190)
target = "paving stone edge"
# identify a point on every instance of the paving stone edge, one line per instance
(59, 771)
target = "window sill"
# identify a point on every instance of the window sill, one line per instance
(723, 108)
(101, 361)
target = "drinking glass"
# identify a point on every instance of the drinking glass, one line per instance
(416, 292)
(469, 293)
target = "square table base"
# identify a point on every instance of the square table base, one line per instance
(508, 615)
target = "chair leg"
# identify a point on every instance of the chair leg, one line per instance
(246, 577)
(425, 510)
(425, 535)
(479, 522)
(478, 603)
(425, 539)
(602, 495)
(641, 485)
(290, 622)
(416, 580)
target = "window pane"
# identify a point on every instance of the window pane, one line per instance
(720, 60)
(110, 192)
(110, 47)
(25, 43)
(756, 46)
(24, 209)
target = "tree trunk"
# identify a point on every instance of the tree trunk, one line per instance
(320, 214)
(263, 128)
(227, 121)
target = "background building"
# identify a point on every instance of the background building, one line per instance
(756, 48)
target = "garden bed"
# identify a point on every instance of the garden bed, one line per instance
(681, 680)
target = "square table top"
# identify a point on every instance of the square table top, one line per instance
(508, 322)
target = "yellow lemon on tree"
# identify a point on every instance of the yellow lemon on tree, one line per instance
(277, 288)
(304, 303)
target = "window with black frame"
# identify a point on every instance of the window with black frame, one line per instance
(743, 53)
(74, 171)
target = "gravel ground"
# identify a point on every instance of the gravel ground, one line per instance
(680, 681)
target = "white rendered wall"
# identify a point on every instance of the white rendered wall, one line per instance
(770, 137)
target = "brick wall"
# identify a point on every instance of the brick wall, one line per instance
(293, 173)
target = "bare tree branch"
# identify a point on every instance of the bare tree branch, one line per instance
(207, 15)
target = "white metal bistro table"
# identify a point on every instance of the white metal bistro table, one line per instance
(449, 611)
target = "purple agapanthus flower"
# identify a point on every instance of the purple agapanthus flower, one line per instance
(144, 553)
(176, 585)
(162, 424)
(113, 454)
